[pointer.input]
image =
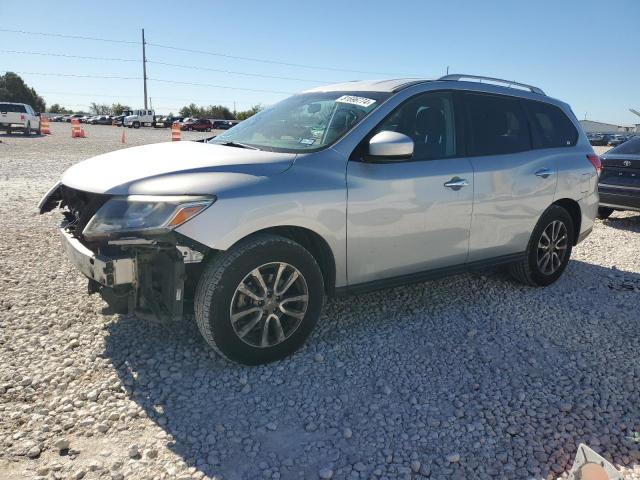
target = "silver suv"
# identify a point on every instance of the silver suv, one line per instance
(340, 189)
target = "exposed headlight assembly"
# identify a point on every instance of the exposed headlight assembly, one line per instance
(144, 214)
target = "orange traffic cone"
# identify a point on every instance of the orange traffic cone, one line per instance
(122, 137)
(175, 132)
(44, 125)
(75, 128)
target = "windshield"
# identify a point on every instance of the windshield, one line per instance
(305, 122)
(630, 147)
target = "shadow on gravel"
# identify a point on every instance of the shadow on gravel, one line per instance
(21, 135)
(631, 224)
(472, 376)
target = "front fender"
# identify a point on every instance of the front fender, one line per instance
(311, 198)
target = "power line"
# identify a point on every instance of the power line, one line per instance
(233, 72)
(74, 75)
(117, 95)
(219, 86)
(49, 54)
(75, 37)
(75, 94)
(177, 82)
(262, 60)
(204, 52)
(189, 67)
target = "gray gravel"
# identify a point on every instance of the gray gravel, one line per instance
(472, 376)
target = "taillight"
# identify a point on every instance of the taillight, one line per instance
(21, 117)
(595, 161)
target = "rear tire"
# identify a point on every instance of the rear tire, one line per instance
(604, 212)
(27, 130)
(263, 329)
(547, 256)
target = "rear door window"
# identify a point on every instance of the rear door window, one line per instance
(497, 124)
(8, 107)
(551, 127)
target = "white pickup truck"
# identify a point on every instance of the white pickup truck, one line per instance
(18, 116)
(139, 117)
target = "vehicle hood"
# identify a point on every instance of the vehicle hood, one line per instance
(174, 168)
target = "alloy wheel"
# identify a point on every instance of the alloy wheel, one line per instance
(552, 247)
(269, 304)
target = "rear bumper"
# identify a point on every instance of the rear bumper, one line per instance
(109, 272)
(620, 200)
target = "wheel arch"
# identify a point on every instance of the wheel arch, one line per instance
(573, 208)
(314, 243)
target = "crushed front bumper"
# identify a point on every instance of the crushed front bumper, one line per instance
(109, 272)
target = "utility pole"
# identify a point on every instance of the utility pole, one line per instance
(447, 69)
(144, 69)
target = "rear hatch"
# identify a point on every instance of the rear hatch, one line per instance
(621, 172)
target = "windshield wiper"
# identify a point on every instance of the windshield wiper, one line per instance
(237, 145)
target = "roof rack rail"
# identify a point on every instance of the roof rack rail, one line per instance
(508, 83)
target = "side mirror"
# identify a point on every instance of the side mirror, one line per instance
(389, 145)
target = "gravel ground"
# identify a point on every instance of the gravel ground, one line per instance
(472, 376)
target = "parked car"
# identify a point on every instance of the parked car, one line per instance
(197, 124)
(221, 124)
(341, 189)
(600, 139)
(619, 184)
(616, 140)
(20, 117)
(101, 120)
(166, 122)
(57, 118)
(75, 116)
(119, 119)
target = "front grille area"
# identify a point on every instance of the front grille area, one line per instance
(79, 207)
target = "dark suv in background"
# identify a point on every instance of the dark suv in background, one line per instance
(619, 184)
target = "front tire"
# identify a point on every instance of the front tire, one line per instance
(604, 212)
(259, 301)
(549, 249)
(136, 124)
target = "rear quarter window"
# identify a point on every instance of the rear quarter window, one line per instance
(7, 107)
(551, 128)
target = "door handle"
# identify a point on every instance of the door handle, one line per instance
(456, 183)
(544, 173)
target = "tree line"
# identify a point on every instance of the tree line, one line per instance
(14, 89)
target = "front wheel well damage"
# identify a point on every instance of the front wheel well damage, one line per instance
(314, 244)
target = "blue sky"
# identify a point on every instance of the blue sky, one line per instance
(584, 52)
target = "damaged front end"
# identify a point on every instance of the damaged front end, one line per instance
(128, 249)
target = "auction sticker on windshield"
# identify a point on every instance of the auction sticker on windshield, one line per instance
(355, 100)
